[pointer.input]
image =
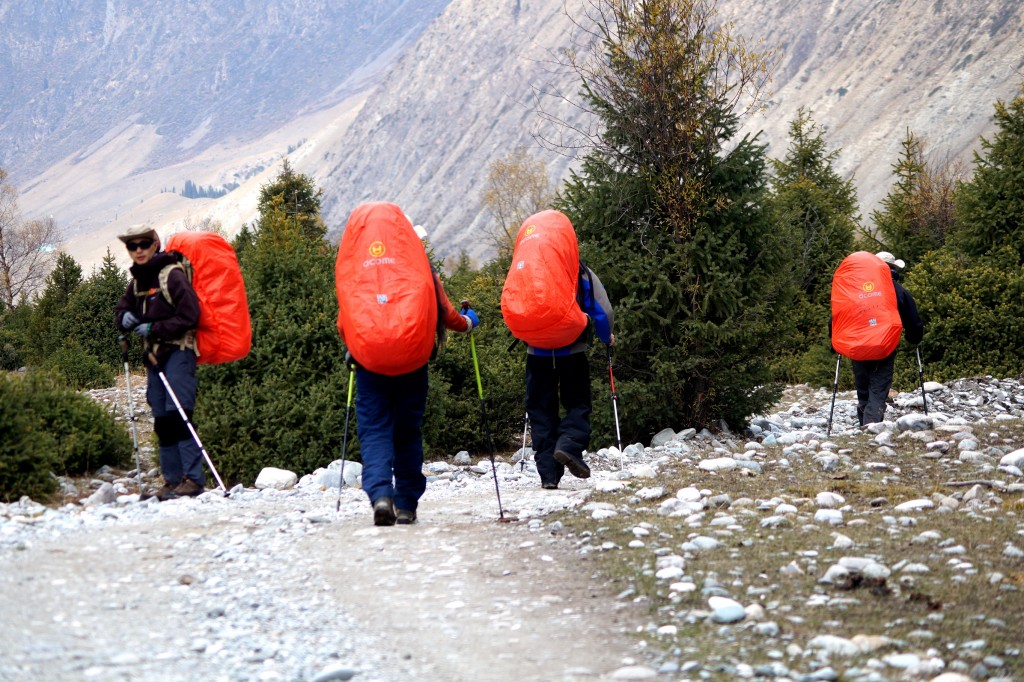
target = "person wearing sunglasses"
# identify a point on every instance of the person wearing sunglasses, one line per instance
(162, 309)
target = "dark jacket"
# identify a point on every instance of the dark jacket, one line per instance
(171, 321)
(913, 327)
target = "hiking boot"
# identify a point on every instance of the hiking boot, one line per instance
(384, 512)
(405, 517)
(575, 464)
(188, 488)
(548, 485)
(163, 493)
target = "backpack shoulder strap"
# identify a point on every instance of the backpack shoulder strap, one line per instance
(165, 275)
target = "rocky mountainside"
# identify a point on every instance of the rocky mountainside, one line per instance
(77, 74)
(112, 105)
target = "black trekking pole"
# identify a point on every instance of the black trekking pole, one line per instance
(483, 417)
(122, 341)
(615, 405)
(920, 376)
(835, 387)
(526, 425)
(344, 438)
(192, 430)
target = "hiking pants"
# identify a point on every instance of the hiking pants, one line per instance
(389, 412)
(180, 456)
(873, 379)
(549, 381)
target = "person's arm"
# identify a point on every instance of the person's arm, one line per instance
(913, 327)
(599, 308)
(126, 304)
(451, 317)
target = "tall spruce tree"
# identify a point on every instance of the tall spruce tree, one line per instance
(44, 334)
(670, 207)
(990, 207)
(282, 405)
(819, 209)
(916, 215)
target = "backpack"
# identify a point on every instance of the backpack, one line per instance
(865, 316)
(208, 261)
(539, 301)
(387, 302)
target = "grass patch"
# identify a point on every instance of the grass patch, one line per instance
(953, 589)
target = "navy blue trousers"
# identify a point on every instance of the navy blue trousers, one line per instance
(180, 456)
(390, 411)
(550, 382)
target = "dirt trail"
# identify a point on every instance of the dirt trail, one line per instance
(165, 594)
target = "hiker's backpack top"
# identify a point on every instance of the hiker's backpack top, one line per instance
(538, 301)
(387, 305)
(225, 331)
(865, 316)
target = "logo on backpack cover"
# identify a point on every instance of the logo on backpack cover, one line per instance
(869, 286)
(377, 249)
(530, 230)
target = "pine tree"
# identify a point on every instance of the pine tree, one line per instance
(990, 207)
(819, 209)
(670, 208)
(283, 405)
(90, 313)
(44, 334)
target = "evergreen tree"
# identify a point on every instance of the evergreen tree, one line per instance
(90, 312)
(670, 207)
(296, 197)
(45, 334)
(990, 207)
(815, 205)
(916, 215)
(284, 404)
(813, 202)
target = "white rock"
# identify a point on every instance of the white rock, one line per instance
(725, 610)
(717, 464)
(277, 479)
(933, 387)
(651, 493)
(915, 505)
(634, 672)
(833, 645)
(832, 517)
(840, 541)
(1014, 459)
(829, 500)
(669, 573)
(690, 494)
(609, 486)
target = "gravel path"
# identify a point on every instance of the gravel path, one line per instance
(278, 586)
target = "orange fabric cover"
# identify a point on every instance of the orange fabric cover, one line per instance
(387, 306)
(865, 317)
(225, 331)
(538, 300)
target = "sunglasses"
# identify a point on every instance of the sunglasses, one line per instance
(141, 244)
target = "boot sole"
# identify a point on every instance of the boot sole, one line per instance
(576, 467)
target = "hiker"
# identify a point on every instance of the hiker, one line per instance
(161, 307)
(873, 378)
(392, 317)
(557, 330)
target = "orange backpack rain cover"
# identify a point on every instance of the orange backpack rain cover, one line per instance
(865, 317)
(387, 305)
(225, 331)
(538, 300)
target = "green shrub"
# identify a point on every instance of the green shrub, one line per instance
(79, 368)
(26, 447)
(45, 427)
(85, 435)
(973, 312)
